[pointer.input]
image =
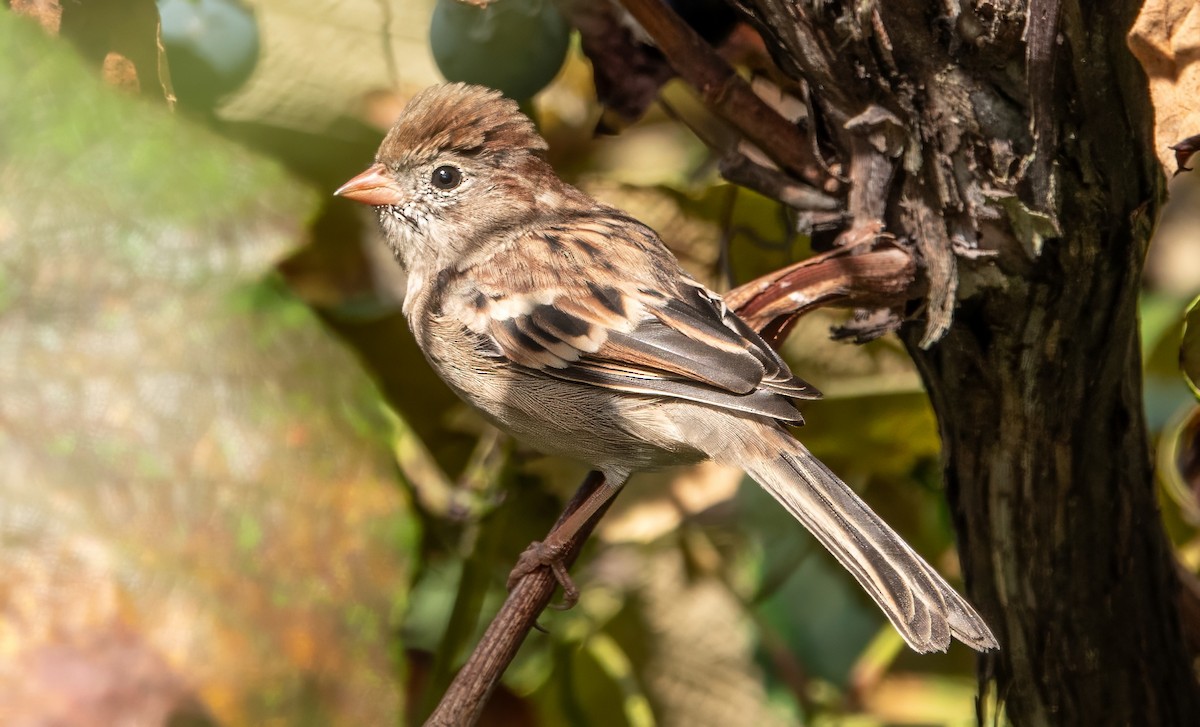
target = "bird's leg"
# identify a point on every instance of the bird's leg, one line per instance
(550, 553)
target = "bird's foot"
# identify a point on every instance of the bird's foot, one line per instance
(541, 555)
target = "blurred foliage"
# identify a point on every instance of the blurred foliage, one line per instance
(1179, 441)
(211, 512)
(196, 490)
(1189, 354)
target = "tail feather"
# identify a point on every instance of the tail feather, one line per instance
(923, 607)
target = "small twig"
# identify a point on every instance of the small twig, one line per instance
(724, 248)
(737, 164)
(727, 94)
(737, 168)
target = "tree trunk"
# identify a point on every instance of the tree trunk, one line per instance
(1017, 157)
(1038, 392)
(1038, 396)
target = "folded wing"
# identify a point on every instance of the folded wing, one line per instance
(631, 332)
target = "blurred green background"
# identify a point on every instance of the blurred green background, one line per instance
(232, 492)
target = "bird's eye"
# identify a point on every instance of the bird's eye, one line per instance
(446, 177)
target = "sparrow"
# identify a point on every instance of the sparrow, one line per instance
(569, 324)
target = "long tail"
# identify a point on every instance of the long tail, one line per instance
(922, 606)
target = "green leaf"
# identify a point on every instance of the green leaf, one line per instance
(1189, 351)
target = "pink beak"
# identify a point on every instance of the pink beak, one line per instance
(374, 186)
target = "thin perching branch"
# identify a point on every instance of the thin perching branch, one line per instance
(464, 701)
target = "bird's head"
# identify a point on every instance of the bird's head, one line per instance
(454, 167)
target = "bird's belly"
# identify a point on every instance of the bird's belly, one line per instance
(604, 429)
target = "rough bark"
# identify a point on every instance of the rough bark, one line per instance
(1011, 142)
(1048, 475)
(1037, 387)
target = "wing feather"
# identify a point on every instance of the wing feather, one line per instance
(639, 332)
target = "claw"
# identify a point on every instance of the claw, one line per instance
(539, 555)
